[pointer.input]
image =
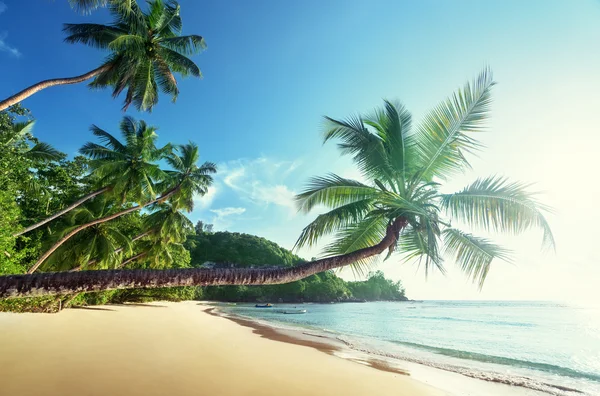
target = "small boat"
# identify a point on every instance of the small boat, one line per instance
(264, 305)
(294, 311)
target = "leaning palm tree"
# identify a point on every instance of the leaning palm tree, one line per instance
(399, 208)
(165, 224)
(126, 168)
(146, 49)
(404, 169)
(186, 179)
(103, 244)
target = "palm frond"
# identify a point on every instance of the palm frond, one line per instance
(163, 17)
(43, 151)
(366, 149)
(185, 45)
(392, 124)
(179, 63)
(92, 34)
(443, 137)
(108, 139)
(333, 191)
(128, 42)
(334, 220)
(87, 6)
(472, 254)
(366, 233)
(496, 204)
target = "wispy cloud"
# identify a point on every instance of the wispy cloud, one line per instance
(3, 7)
(4, 47)
(261, 180)
(222, 212)
(279, 195)
(205, 201)
(223, 216)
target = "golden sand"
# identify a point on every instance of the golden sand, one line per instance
(173, 349)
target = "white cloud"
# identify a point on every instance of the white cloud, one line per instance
(233, 176)
(3, 7)
(279, 195)
(7, 48)
(228, 211)
(260, 181)
(223, 217)
(206, 200)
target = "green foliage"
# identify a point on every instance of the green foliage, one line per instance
(129, 167)
(202, 227)
(377, 287)
(324, 287)
(243, 249)
(29, 175)
(222, 248)
(146, 49)
(403, 167)
(36, 304)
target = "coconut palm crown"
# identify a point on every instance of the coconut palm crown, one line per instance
(405, 167)
(128, 166)
(146, 49)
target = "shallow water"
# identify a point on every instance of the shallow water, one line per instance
(549, 347)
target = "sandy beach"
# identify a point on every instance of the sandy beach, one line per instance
(174, 348)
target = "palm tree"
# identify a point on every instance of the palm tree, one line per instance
(185, 180)
(103, 244)
(169, 229)
(146, 48)
(400, 207)
(405, 169)
(125, 168)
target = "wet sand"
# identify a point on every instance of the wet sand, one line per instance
(178, 348)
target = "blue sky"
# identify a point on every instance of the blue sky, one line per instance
(274, 68)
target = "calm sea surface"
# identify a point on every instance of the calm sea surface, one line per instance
(549, 347)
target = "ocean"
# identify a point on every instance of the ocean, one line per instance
(548, 347)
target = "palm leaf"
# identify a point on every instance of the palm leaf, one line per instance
(472, 254)
(418, 244)
(94, 35)
(496, 204)
(368, 232)
(185, 45)
(333, 191)
(442, 138)
(393, 126)
(43, 151)
(334, 220)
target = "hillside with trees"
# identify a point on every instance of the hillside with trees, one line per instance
(221, 249)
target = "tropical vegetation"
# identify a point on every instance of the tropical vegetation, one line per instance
(145, 49)
(113, 219)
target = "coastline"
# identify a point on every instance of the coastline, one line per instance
(454, 381)
(177, 348)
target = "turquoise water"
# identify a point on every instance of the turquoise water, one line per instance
(538, 345)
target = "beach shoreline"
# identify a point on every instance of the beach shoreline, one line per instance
(173, 348)
(451, 382)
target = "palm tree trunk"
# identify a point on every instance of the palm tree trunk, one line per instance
(44, 284)
(63, 211)
(117, 251)
(93, 223)
(27, 92)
